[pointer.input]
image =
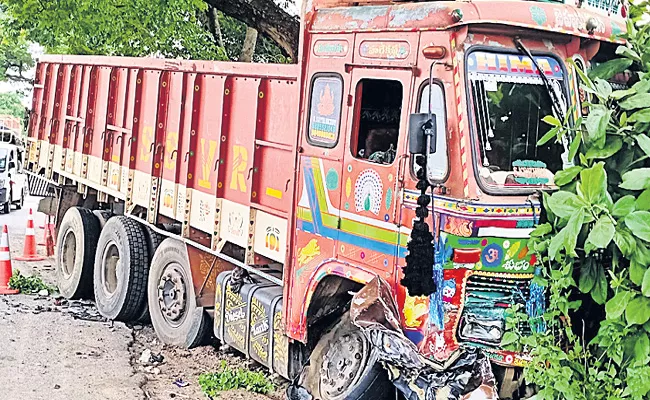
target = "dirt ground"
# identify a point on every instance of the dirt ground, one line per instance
(52, 349)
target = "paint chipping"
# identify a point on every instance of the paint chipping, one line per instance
(403, 15)
(549, 45)
(350, 17)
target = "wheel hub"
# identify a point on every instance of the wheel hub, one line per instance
(172, 294)
(112, 264)
(343, 364)
(68, 254)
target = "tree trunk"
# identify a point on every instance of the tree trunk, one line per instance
(215, 29)
(267, 18)
(248, 49)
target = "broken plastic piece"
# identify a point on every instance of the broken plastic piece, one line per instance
(181, 383)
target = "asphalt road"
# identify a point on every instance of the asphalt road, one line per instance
(56, 350)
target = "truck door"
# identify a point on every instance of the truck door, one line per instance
(372, 165)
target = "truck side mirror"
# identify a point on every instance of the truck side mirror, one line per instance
(422, 126)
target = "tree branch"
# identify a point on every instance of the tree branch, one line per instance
(19, 78)
(267, 18)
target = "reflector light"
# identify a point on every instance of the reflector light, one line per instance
(434, 52)
(467, 256)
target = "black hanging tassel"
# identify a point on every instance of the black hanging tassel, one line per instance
(418, 273)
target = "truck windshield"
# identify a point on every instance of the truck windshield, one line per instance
(509, 100)
(3, 160)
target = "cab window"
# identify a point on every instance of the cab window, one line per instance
(378, 110)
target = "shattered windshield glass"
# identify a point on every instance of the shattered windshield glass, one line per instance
(509, 100)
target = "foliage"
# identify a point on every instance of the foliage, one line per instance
(136, 28)
(11, 104)
(595, 247)
(15, 57)
(166, 28)
(229, 379)
(28, 284)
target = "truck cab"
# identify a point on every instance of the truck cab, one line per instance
(281, 191)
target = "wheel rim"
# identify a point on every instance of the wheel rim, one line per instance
(343, 364)
(68, 254)
(111, 265)
(172, 294)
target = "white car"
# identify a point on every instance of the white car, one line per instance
(13, 180)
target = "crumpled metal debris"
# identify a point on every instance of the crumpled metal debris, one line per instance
(466, 375)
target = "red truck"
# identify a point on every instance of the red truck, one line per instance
(254, 200)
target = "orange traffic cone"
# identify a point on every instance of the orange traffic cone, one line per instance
(29, 252)
(48, 231)
(5, 264)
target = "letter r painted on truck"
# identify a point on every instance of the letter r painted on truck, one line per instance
(239, 164)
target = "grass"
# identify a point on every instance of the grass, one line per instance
(212, 383)
(28, 284)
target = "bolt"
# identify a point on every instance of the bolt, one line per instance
(357, 356)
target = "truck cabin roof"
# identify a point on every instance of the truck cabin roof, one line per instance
(591, 21)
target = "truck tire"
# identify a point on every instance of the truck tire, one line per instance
(153, 241)
(344, 366)
(103, 216)
(175, 316)
(76, 245)
(21, 203)
(121, 269)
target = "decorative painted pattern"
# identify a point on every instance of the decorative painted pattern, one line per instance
(461, 117)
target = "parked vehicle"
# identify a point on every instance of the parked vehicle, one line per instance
(252, 200)
(13, 180)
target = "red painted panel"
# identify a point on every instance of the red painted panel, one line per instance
(145, 120)
(205, 143)
(185, 128)
(238, 136)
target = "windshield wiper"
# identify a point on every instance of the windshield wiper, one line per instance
(555, 100)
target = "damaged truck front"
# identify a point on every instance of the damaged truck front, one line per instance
(357, 222)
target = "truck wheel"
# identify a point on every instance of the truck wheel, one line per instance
(75, 248)
(121, 269)
(153, 241)
(175, 316)
(344, 366)
(6, 207)
(103, 216)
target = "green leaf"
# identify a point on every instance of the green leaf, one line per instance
(625, 241)
(639, 224)
(619, 94)
(563, 204)
(567, 175)
(602, 233)
(612, 146)
(637, 272)
(645, 285)
(644, 141)
(603, 88)
(643, 201)
(575, 146)
(552, 133)
(615, 307)
(557, 243)
(642, 348)
(628, 52)
(610, 68)
(640, 116)
(541, 230)
(572, 231)
(599, 292)
(637, 311)
(509, 338)
(596, 125)
(637, 179)
(587, 279)
(624, 206)
(640, 100)
(593, 183)
(551, 120)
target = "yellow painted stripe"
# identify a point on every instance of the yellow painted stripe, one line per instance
(274, 193)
